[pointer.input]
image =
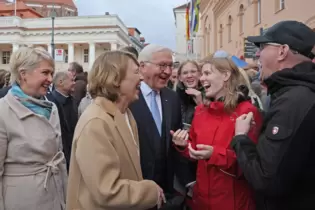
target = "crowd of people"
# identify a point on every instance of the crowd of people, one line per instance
(140, 131)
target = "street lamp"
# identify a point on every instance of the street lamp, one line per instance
(53, 14)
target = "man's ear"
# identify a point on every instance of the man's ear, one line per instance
(283, 52)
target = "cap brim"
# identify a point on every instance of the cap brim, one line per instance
(257, 40)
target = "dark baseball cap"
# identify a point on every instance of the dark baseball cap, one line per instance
(296, 35)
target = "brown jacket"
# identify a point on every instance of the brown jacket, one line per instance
(105, 172)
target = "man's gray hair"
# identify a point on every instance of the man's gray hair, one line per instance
(148, 51)
(60, 75)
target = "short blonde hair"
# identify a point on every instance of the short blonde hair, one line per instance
(107, 72)
(28, 58)
(234, 83)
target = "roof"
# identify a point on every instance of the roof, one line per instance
(183, 6)
(130, 29)
(19, 6)
(63, 2)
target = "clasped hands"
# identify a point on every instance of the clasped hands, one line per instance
(202, 152)
(161, 199)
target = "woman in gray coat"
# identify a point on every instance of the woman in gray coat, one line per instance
(32, 165)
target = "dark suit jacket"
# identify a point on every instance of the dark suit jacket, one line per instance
(4, 91)
(148, 134)
(68, 115)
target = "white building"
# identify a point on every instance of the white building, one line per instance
(82, 38)
(184, 49)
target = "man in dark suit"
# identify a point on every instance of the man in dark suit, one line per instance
(157, 112)
(67, 108)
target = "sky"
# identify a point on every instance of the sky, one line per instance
(153, 18)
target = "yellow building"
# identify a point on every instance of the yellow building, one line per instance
(225, 23)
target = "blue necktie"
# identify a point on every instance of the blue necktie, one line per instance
(155, 111)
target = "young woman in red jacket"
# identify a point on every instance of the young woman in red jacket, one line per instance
(220, 184)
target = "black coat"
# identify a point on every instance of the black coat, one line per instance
(68, 115)
(188, 103)
(149, 140)
(4, 91)
(281, 168)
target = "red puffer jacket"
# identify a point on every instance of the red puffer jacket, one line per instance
(220, 184)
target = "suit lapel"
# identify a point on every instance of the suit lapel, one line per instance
(131, 145)
(167, 116)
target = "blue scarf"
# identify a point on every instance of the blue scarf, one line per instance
(38, 106)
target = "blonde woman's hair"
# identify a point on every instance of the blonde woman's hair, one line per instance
(180, 68)
(251, 92)
(107, 72)
(234, 83)
(28, 58)
(206, 59)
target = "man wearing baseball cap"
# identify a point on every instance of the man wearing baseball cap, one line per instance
(281, 167)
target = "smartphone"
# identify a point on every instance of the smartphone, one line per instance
(186, 126)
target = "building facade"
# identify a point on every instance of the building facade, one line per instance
(44, 8)
(76, 38)
(226, 23)
(81, 38)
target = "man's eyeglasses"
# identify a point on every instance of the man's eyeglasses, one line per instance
(162, 66)
(263, 45)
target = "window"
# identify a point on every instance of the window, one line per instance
(221, 35)
(241, 17)
(6, 57)
(258, 11)
(230, 29)
(281, 6)
(86, 55)
(66, 56)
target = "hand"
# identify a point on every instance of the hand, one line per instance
(203, 152)
(161, 198)
(243, 124)
(196, 93)
(180, 137)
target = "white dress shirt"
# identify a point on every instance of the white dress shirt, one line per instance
(146, 92)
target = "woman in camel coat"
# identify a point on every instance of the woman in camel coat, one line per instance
(105, 172)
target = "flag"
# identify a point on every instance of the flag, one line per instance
(196, 22)
(192, 16)
(187, 23)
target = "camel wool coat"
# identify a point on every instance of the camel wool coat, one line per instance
(105, 172)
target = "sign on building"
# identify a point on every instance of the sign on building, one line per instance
(250, 49)
(59, 55)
